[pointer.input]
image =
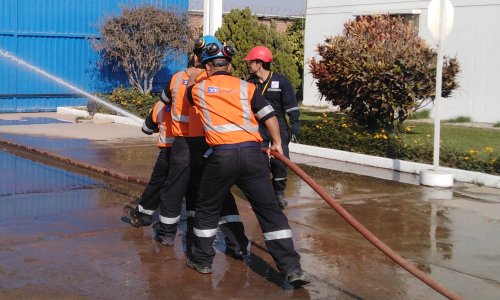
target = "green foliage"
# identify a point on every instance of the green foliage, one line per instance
(338, 131)
(242, 30)
(380, 71)
(295, 33)
(139, 40)
(133, 101)
(459, 120)
(496, 124)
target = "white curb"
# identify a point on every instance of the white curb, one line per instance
(98, 116)
(394, 164)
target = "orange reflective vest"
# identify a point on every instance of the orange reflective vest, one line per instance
(225, 109)
(185, 120)
(161, 115)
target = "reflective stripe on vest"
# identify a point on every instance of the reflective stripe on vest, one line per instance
(185, 120)
(247, 112)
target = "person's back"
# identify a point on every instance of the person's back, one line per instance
(223, 95)
(186, 122)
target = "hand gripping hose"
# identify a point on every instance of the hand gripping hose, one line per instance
(365, 232)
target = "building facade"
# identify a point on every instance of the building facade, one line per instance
(474, 41)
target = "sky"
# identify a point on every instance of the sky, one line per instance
(266, 7)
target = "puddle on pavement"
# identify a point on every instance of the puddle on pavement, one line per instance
(121, 156)
(32, 189)
(32, 121)
(44, 143)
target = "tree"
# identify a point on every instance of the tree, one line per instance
(242, 30)
(295, 33)
(380, 71)
(140, 39)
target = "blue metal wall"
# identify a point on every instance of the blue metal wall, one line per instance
(53, 35)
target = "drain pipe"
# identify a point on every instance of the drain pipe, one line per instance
(365, 232)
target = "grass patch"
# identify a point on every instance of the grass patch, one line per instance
(460, 138)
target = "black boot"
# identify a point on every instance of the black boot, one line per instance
(132, 214)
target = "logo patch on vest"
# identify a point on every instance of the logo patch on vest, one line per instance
(167, 108)
(212, 89)
(275, 84)
(184, 81)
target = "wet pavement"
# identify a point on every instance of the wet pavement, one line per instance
(62, 235)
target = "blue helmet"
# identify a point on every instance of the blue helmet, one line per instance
(201, 42)
(212, 51)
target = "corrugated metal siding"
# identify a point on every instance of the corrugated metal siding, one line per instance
(53, 35)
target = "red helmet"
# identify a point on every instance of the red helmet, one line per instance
(260, 53)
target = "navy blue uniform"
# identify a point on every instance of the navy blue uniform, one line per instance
(278, 91)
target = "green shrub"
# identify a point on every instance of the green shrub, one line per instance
(380, 71)
(337, 131)
(421, 114)
(133, 101)
(459, 120)
(496, 124)
(242, 30)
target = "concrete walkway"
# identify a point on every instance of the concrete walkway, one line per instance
(62, 236)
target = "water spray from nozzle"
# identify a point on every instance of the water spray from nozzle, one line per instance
(70, 86)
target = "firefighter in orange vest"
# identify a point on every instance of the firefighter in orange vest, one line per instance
(230, 109)
(186, 168)
(278, 91)
(159, 120)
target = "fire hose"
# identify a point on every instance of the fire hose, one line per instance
(364, 231)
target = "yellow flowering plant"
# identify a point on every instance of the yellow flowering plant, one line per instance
(338, 131)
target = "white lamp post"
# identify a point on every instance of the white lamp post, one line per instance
(439, 23)
(212, 16)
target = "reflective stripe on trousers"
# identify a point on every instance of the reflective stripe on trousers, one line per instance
(166, 220)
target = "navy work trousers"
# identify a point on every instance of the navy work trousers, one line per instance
(150, 198)
(247, 167)
(278, 168)
(186, 168)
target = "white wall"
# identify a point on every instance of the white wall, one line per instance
(474, 40)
